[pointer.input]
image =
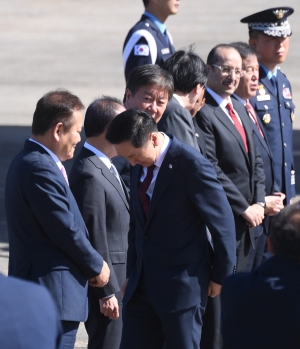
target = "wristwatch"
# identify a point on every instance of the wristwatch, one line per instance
(262, 204)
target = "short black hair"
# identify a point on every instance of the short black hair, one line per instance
(99, 115)
(213, 57)
(285, 233)
(188, 70)
(133, 125)
(146, 2)
(54, 107)
(244, 49)
(150, 74)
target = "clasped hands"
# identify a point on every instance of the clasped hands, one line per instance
(255, 213)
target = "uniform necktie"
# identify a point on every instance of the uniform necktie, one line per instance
(167, 38)
(114, 171)
(237, 125)
(251, 111)
(274, 84)
(64, 173)
(142, 191)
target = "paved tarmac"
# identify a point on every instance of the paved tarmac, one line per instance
(46, 44)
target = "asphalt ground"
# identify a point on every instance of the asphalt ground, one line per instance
(77, 45)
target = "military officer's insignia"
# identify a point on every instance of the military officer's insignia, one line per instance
(292, 116)
(286, 93)
(197, 134)
(261, 90)
(262, 96)
(266, 118)
(280, 13)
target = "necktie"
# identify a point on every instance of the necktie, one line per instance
(237, 125)
(167, 38)
(114, 171)
(64, 173)
(274, 84)
(142, 191)
(251, 111)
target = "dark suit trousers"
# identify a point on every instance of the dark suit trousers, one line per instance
(70, 329)
(103, 332)
(256, 255)
(144, 328)
(211, 332)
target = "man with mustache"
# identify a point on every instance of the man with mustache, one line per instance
(231, 147)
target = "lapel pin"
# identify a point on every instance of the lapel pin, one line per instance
(170, 166)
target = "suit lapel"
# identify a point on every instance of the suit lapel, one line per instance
(108, 175)
(224, 119)
(266, 82)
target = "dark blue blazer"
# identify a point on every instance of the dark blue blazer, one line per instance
(153, 38)
(261, 309)
(48, 240)
(28, 318)
(266, 155)
(279, 131)
(172, 244)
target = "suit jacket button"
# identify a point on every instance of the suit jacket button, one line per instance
(249, 201)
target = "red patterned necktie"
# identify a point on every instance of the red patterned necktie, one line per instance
(251, 111)
(237, 125)
(142, 191)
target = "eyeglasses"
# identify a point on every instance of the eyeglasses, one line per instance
(251, 70)
(228, 70)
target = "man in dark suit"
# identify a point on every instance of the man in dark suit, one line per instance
(104, 204)
(28, 316)
(231, 147)
(149, 42)
(269, 34)
(48, 240)
(174, 195)
(261, 309)
(190, 77)
(274, 200)
(148, 88)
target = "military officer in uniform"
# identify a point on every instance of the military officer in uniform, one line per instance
(269, 33)
(149, 42)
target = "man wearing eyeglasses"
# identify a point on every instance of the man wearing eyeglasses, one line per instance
(269, 33)
(274, 200)
(231, 147)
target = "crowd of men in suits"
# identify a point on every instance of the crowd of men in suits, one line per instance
(172, 192)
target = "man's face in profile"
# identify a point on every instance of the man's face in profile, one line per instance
(148, 98)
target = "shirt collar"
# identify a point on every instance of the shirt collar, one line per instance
(268, 72)
(240, 99)
(178, 99)
(220, 100)
(105, 159)
(163, 151)
(54, 157)
(161, 26)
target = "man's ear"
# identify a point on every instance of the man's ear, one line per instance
(270, 245)
(154, 138)
(57, 130)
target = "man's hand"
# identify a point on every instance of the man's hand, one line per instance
(254, 215)
(101, 279)
(214, 289)
(123, 288)
(274, 204)
(109, 307)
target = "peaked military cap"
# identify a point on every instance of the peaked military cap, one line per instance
(272, 22)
